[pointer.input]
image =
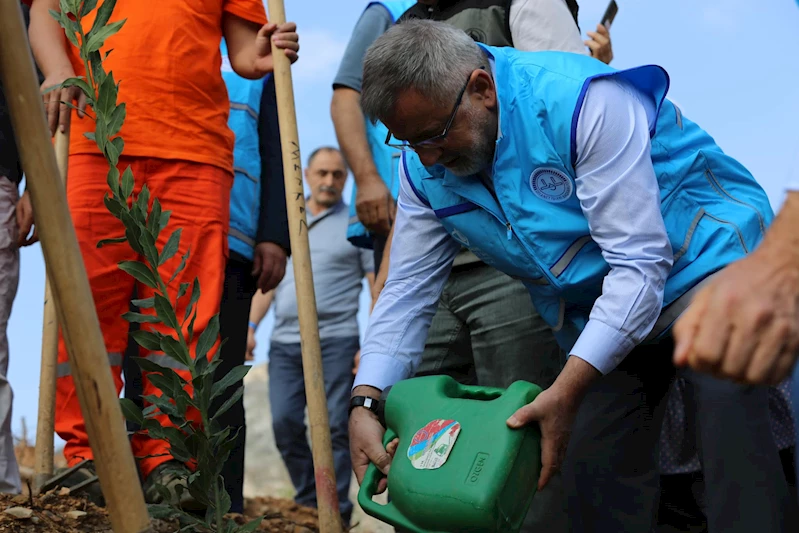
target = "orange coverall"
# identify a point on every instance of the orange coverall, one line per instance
(167, 60)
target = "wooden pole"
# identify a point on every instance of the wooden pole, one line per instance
(45, 427)
(327, 497)
(70, 287)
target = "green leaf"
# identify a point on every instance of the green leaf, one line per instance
(146, 339)
(163, 511)
(147, 242)
(178, 270)
(118, 143)
(106, 98)
(195, 295)
(152, 425)
(88, 5)
(132, 236)
(233, 377)
(249, 527)
(111, 153)
(97, 38)
(131, 411)
(100, 134)
(182, 290)
(143, 200)
(81, 84)
(108, 53)
(103, 14)
(224, 501)
(115, 206)
(89, 135)
(72, 6)
(190, 329)
(174, 349)
(150, 411)
(150, 366)
(165, 311)
(113, 180)
(116, 240)
(127, 182)
(139, 318)
(97, 68)
(165, 218)
(230, 402)
(171, 247)
(165, 385)
(55, 14)
(154, 218)
(145, 303)
(139, 271)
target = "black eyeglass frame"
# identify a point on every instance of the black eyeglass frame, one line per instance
(441, 136)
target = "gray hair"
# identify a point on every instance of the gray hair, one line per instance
(431, 57)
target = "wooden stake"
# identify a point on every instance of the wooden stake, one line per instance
(45, 427)
(327, 497)
(91, 373)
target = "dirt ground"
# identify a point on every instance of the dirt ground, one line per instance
(54, 513)
(58, 512)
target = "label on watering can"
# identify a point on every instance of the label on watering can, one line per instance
(431, 445)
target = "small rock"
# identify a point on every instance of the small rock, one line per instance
(20, 498)
(20, 513)
(75, 514)
(35, 519)
(64, 491)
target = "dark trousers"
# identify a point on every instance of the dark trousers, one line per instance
(234, 317)
(682, 500)
(287, 401)
(611, 467)
(378, 247)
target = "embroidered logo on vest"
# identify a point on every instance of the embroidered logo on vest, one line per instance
(551, 185)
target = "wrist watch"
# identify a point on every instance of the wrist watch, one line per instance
(372, 404)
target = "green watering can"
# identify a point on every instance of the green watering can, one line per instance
(458, 467)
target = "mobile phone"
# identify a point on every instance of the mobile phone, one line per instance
(610, 14)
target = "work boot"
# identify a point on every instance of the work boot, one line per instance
(81, 481)
(170, 475)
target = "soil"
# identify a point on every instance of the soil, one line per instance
(58, 512)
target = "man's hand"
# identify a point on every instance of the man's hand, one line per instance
(366, 439)
(25, 222)
(56, 100)
(284, 37)
(554, 410)
(600, 45)
(250, 355)
(745, 324)
(375, 206)
(268, 265)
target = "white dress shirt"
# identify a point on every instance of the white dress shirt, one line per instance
(620, 198)
(539, 25)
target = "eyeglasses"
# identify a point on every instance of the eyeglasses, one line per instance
(405, 146)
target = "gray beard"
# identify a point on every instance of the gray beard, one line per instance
(480, 156)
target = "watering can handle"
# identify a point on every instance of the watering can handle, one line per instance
(387, 513)
(474, 392)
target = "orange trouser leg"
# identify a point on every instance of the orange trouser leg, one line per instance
(111, 289)
(199, 198)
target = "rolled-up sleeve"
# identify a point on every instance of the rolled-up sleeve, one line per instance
(620, 197)
(421, 258)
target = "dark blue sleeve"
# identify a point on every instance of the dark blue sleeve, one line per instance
(273, 223)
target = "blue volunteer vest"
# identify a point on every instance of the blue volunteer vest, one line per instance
(245, 196)
(386, 159)
(714, 210)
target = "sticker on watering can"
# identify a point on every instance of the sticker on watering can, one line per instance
(431, 445)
